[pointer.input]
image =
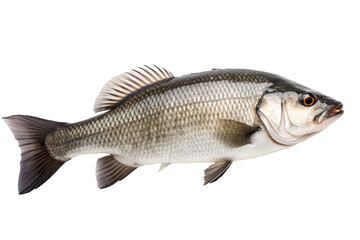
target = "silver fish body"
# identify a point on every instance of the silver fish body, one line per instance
(169, 122)
(218, 116)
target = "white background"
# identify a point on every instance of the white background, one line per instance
(55, 58)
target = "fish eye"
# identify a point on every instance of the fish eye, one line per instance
(308, 99)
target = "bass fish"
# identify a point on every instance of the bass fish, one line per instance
(149, 116)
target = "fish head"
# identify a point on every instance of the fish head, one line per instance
(292, 113)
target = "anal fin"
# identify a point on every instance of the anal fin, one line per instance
(109, 171)
(216, 171)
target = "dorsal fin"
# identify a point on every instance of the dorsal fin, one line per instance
(122, 85)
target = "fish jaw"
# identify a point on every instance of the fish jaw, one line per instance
(332, 112)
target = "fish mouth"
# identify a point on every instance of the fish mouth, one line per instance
(329, 112)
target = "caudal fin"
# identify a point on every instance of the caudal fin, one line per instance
(36, 164)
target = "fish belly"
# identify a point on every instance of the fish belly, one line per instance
(200, 148)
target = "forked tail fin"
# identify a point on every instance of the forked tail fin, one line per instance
(36, 165)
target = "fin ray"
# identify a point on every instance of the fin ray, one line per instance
(163, 166)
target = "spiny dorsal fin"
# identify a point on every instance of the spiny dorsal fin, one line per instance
(122, 85)
(216, 171)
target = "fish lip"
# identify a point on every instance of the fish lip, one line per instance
(338, 107)
(328, 112)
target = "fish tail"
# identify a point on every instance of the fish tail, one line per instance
(36, 165)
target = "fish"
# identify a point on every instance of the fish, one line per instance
(149, 116)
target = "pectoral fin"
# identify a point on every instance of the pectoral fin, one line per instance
(109, 171)
(216, 171)
(234, 133)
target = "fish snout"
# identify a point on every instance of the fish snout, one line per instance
(333, 109)
(336, 109)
